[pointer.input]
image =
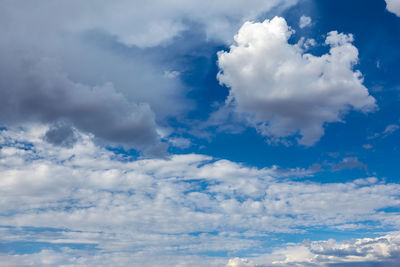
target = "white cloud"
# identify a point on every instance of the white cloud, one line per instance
(393, 6)
(389, 130)
(383, 250)
(171, 74)
(304, 21)
(149, 210)
(180, 142)
(239, 262)
(283, 91)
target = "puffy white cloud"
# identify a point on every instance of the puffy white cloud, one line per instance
(283, 91)
(380, 251)
(393, 6)
(304, 21)
(239, 262)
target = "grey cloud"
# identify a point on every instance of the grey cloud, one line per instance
(61, 134)
(43, 93)
(349, 163)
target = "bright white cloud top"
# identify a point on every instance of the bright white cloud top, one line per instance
(367, 251)
(284, 91)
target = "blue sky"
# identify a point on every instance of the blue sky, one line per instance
(199, 133)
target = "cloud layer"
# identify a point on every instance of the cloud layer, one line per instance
(186, 205)
(284, 91)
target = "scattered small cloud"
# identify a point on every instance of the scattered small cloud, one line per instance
(367, 146)
(240, 262)
(304, 21)
(349, 163)
(180, 142)
(171, 74)
(389, 130)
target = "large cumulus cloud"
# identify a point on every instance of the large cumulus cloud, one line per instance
(282, 90)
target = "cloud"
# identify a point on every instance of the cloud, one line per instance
(118, 50)
(304, 21)
(393, 6)
(367, 146)
(61, 134)
(159, 22)
(389, 130)
(138, 23)
(379, 251)
(43, 93)
(349, 163)
(239, 262)
(56, 74)
(162, 212)
(180, 142)
(283, 91)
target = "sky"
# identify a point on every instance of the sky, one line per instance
(200, 133)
